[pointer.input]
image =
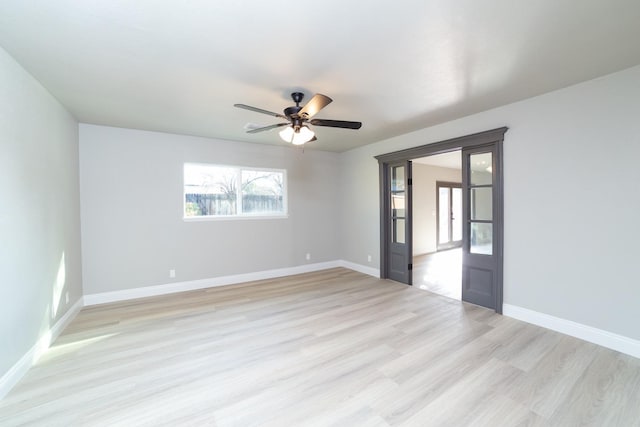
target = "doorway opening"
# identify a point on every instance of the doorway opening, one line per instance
(437, 224)
(482, 214)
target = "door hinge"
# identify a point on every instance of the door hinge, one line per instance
(410, 267)
(410, 181)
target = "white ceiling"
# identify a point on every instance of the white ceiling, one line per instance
(179, 67)
(451, 160)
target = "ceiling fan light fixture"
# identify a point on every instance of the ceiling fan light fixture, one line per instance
(286, 134)
(297, 137)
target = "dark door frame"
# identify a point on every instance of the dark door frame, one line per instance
(491, 138)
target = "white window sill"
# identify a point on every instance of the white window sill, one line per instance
(233, 217)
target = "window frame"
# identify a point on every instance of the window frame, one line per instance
(240, 215)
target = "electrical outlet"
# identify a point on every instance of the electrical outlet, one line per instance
(308, 257)
(172, 274)
(369, 258)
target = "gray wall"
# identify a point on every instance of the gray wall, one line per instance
(571, 199)
(132, 226)
(39, 212)
(424, 204)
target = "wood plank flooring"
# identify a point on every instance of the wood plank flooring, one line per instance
(439, 273)
(332, 348)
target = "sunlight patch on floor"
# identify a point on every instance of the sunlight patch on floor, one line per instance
(63, 349)
(440, 273)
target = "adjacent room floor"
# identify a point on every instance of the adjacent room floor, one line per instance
(439, 272)
(328, 348)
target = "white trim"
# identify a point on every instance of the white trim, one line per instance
(17, 371)
(588, 333)
(169, 288)
(238, 217)
(375, 272)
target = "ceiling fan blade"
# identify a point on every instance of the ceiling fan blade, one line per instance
(315, 104)
(259, 110)
(336, 123)
(262, 129)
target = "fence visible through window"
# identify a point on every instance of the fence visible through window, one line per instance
(213, 191)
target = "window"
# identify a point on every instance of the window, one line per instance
(215, 191)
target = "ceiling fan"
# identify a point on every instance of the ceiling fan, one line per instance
(299, 118)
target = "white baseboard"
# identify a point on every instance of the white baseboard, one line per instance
(17, 371)
(148, 291)
(597, 336)
(192, 285)
(375, 272)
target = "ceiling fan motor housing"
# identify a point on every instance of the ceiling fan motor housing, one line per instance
(292, 112)
(297, 97)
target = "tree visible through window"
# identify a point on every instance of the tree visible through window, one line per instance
(227, 191)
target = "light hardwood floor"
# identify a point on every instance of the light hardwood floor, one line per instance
(439, 272)
(332, 348)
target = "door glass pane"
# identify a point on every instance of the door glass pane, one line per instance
(398, 209)
(481, 241)
(481, 168)
(397, 178)
(482, 203)
(456, 214)
(443, 214)
(397, 205)
(398, 230)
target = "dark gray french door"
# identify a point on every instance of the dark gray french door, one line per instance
(482, 201)
(399, 210)
(481, 255)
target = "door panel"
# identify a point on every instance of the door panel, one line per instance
(398, 267)
(399, 191)
(480, 285)
(480, 262)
